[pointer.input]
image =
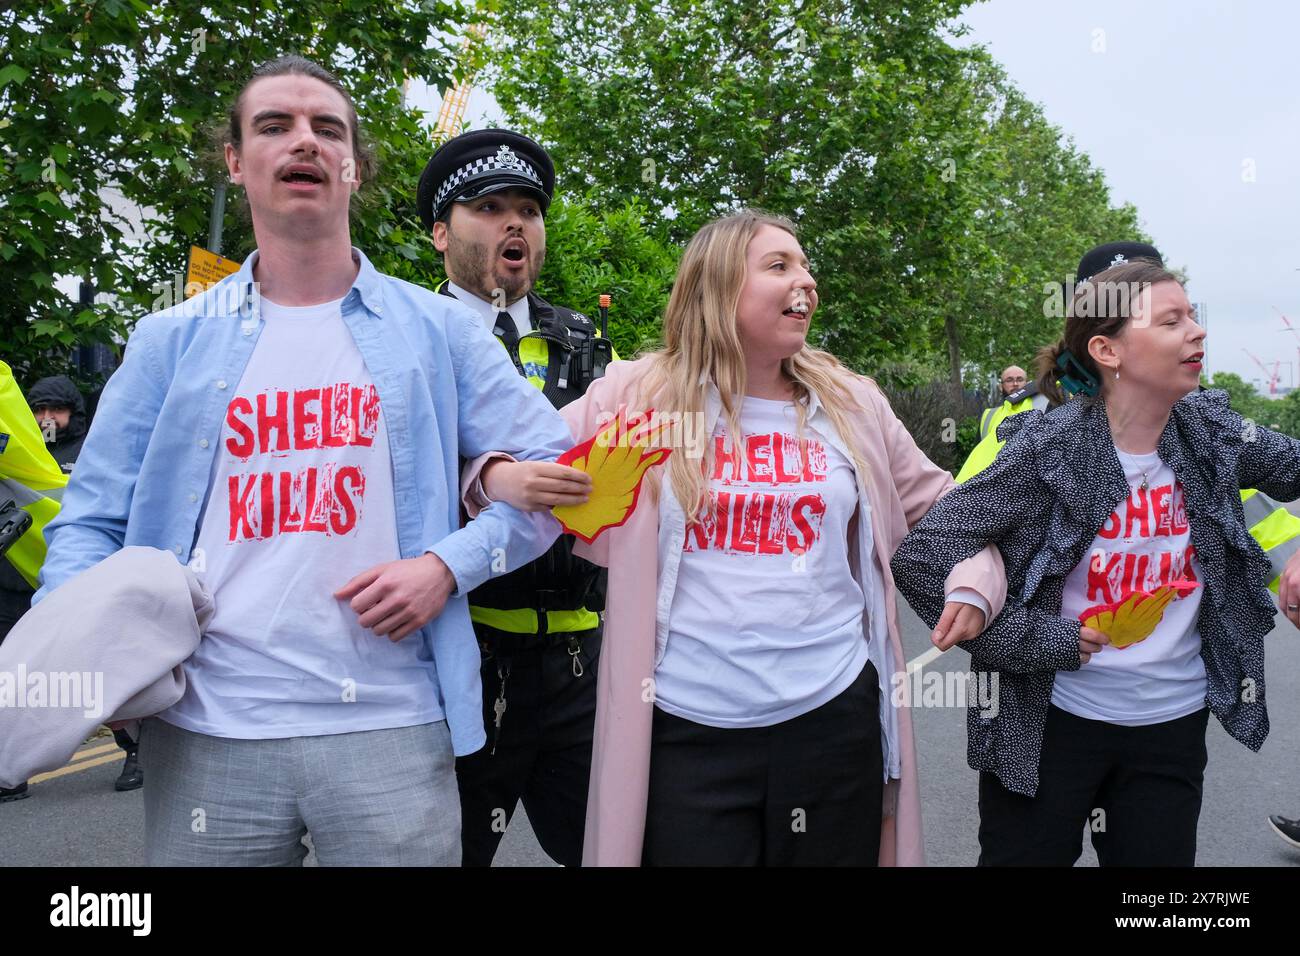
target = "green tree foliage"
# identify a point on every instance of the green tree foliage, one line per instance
(1245, 400)
(1286, 413)
(107, 107)
(1039, 204)
(595, 250)
(934, 201)
(1281, 414)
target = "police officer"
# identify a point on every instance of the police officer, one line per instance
(1021, 399)
(1018, 395)
(60, 413)
(484, 197)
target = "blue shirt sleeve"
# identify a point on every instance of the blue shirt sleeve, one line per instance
(497, 410)
(91, 524)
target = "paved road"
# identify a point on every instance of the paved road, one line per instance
(1241, 787)
(76, 819)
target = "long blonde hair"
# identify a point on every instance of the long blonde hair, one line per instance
(702, 346)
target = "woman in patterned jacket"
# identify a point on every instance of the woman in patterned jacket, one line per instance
(1137, 600)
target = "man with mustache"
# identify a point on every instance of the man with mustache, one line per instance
(294, 435)
(484, 197)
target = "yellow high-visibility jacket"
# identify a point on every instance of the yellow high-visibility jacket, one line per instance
(1274, 528)
(982, 455)
(28, 474)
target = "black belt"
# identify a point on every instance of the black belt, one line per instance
(494, 642)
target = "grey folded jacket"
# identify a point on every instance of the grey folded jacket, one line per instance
(105, 646)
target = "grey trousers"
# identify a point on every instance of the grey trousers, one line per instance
(371, 798)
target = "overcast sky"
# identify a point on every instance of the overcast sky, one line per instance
(1186, 98)
(1190, 107)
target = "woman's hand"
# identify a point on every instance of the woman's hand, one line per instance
(535, 485)
(1288, 589)
(1090, 642)
(959, 622)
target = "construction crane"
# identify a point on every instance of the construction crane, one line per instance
(1294, 331)
(456, 99)
(1272, 376)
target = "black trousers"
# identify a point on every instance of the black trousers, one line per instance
(804, 792)
(543, 751)
(1136, 789)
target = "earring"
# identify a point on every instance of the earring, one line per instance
(1117, 374)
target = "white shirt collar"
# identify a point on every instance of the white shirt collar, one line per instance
(518, 309)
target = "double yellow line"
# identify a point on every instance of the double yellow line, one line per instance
(84, 760)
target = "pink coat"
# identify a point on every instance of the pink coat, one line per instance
(901, 486)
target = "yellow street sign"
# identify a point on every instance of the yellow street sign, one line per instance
(206, 269)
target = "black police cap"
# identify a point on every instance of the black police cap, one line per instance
(479, 162)
(1100, 258)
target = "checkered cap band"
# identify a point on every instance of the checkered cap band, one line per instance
(477, 168)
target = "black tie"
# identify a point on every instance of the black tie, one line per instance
(506, 331)
(509, 335)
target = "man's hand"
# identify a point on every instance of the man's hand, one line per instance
(959, 622)
(399, 597)
(1288, 589)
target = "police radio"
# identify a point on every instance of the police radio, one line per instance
(14, 523)
(602, 349)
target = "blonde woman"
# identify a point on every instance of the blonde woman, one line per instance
(746, 714)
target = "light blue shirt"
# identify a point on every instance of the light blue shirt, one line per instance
(447, 390)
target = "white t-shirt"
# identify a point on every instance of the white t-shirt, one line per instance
(300, 502)
(1146, 542)
(766, 619)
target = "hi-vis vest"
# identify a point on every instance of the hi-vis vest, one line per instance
(1273, 527)
(982, 454)
(28, 474)
(550, 355)
(549, 358)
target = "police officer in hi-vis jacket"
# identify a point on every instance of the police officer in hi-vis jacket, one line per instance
(484, 197)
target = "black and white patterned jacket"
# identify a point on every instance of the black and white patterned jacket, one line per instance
(1042, 502)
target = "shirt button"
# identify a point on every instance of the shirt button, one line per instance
(248, 331)
(194, 498)
(203, 443)
(221, 383)
(177, 549)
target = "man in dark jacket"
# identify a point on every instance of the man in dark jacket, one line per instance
(60, 411)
